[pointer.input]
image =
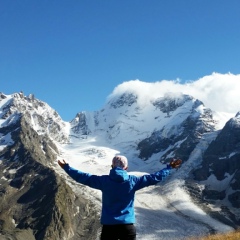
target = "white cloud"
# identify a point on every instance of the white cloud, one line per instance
(220, 92)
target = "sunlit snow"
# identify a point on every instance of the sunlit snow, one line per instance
(164, 211)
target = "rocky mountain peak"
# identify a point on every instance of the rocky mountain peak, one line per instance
(188, 120)
(42, 118)
(235, 122)
(35, 203)
(79, 125)
(171, 101)
(125, 99)
(238, 115)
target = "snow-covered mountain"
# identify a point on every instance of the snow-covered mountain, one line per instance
(34, 201)
(40, 116)
(165, 127)
(149, 132)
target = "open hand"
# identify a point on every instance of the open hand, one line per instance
(175, 163)
(62, 163)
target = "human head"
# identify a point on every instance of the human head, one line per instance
(120, 161)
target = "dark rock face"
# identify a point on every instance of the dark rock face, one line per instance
(170, 103)
(80, 125)
(35, 202)
(126, 99)
(185, 135)
(222, 156)
(221, 160)
(157, 143)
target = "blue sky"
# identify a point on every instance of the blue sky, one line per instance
(72, 54)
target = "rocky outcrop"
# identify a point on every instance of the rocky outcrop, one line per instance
(35, 203)
(79, 125)
(222, 156)
(170, 102)
(126, 99)
(42, 118)
(220, 170)
(181, 138)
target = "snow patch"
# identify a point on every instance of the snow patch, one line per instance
(213, 184)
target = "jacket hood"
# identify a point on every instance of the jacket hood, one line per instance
(118, 174)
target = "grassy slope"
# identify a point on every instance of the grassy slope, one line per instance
(228, 236)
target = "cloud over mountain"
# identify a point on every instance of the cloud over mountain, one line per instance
(217, 91)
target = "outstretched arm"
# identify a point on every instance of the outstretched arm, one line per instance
(152, 179)
(88, 179)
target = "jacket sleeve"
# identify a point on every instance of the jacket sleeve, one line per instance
(152, 179)
(87, 179)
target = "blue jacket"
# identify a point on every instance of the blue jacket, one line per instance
(118, 190)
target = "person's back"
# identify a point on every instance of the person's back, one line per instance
(117, 198)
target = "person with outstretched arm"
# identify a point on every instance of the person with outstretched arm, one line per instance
(118, 191)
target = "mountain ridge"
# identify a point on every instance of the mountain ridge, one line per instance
(151, 132)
